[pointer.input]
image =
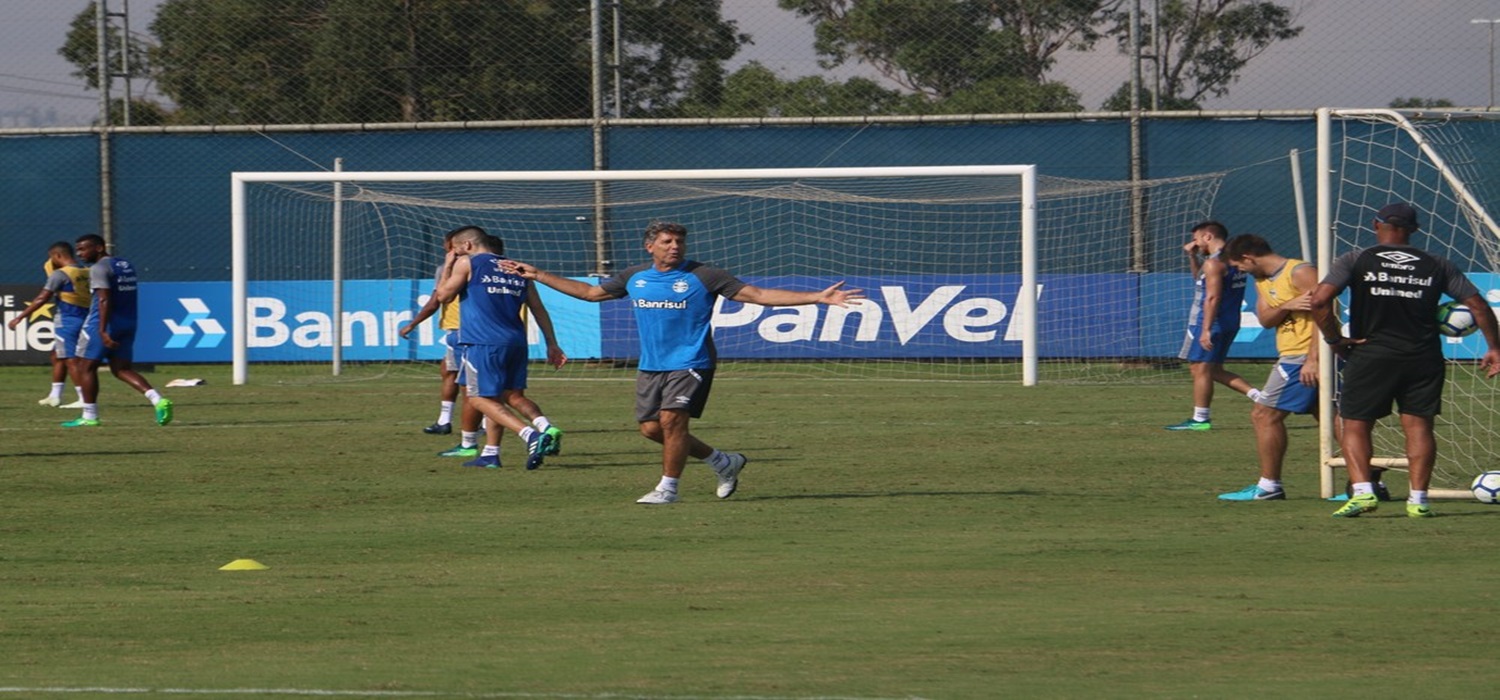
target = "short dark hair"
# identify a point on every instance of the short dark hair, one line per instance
(467, 233)
(63, 247)
(93, 238)
(492, 243)
(659, 227)
(1244, 245)
(1217, 229)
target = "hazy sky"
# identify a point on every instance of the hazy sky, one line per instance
(1353, 53)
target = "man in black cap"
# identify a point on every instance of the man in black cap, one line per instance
(1393, 350)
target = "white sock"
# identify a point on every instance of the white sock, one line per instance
(667, 483)
(526, 433)
(468, 439)
(57, 388)
(490, 451)
(91, 411)
(1268, 484)
(541, 423)
(1417, 497)
(153, 397)
(1200, 413)
(445, 414)
(79, 391)
(718, 460)
(1362, 488)
(1255, 394)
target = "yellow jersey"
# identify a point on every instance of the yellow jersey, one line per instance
(1294, 335)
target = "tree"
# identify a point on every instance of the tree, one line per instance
(81, 48)
(1204, 44)
(755, 91)
(1420, 103)
(945, 48)
(349, 61)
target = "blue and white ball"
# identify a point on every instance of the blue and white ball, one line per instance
(1456, 320)
(1486, 487)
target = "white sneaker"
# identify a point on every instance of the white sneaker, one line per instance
(49, 401)
(729, 479)
(77, 403)
(658, 497)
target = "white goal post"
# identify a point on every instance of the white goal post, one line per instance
(1446, 164)
(1025, 175)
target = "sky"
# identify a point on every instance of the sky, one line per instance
(1352, 53)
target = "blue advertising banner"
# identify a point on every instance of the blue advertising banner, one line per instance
(906, 317)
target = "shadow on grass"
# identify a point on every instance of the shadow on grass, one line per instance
(886, 494)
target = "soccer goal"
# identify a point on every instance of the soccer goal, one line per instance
(972, 272)
(1447, 164)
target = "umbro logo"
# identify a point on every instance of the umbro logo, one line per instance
(1400, 257)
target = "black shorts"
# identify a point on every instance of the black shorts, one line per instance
(681, 390)
(1370, 384)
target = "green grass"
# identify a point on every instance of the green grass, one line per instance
(890, 539)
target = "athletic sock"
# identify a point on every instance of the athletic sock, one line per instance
(490, 451)
(526, 433)
(91, 411)
(1200, 413)
(468, 439)
(1417, 497)
(1269, 485)
(57, 389)
(541, 423)
(79, 391)
(1362, 488)
(718, 460)
(667, 483)
(153, 397)
(445, 414)
(1255, 394)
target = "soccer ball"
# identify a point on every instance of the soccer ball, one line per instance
(1486, 487)
(1456, 320)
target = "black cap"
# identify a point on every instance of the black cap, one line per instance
(1399, 214)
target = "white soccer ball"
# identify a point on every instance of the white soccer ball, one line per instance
(1486, 487)
(1456, 320)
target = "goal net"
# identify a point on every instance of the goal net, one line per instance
(1446, 164)
(329, 266)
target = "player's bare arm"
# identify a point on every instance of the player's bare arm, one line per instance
(1484, 317)
(454, 282)
(37, 303)
(834, 295)
(105, 307)
(555, 355)
(1213, 292)
(570, 287)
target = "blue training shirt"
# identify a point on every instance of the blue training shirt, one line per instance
(118, 276)
(673, 310)
(490, 306)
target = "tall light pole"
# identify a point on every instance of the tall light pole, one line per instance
(1492, 23)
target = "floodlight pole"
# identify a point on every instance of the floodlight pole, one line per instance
(1492, 23)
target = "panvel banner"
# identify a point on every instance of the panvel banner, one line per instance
(905, 317)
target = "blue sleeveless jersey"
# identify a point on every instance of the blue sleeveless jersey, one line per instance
(1233, 296)
(490, 310)
(118, 276)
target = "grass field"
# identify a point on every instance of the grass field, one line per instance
(889, 539)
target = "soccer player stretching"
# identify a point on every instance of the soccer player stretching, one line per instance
(674, 299)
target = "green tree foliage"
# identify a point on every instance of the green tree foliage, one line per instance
(349, 61)
(1420, 103)
(981, 50)
(81, 48)
(1203, 46)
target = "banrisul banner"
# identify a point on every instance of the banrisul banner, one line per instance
(971, 316)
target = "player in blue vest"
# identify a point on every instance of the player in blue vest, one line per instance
(1213, 321)
(67, 283)
(492, 340)
(109, 332)
(673, 298)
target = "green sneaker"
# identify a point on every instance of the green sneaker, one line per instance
(81, 423)
(163, 411)
(551, 441)
(1419, 510)
(1190, 424)
(461, 451)
(1357, 505)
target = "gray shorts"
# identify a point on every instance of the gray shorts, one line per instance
(679, 390)
(453, 358)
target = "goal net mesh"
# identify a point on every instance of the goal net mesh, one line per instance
(939, 257)
(1380, 158)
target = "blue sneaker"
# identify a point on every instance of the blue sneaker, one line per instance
(485, 461)
(439, 429)
(1254, 492)
(534, 453)
(1190, 424)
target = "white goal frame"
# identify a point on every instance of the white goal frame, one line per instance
(1329, 457)
(1026, 301)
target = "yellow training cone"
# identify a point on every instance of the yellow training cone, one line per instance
(244, 565)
